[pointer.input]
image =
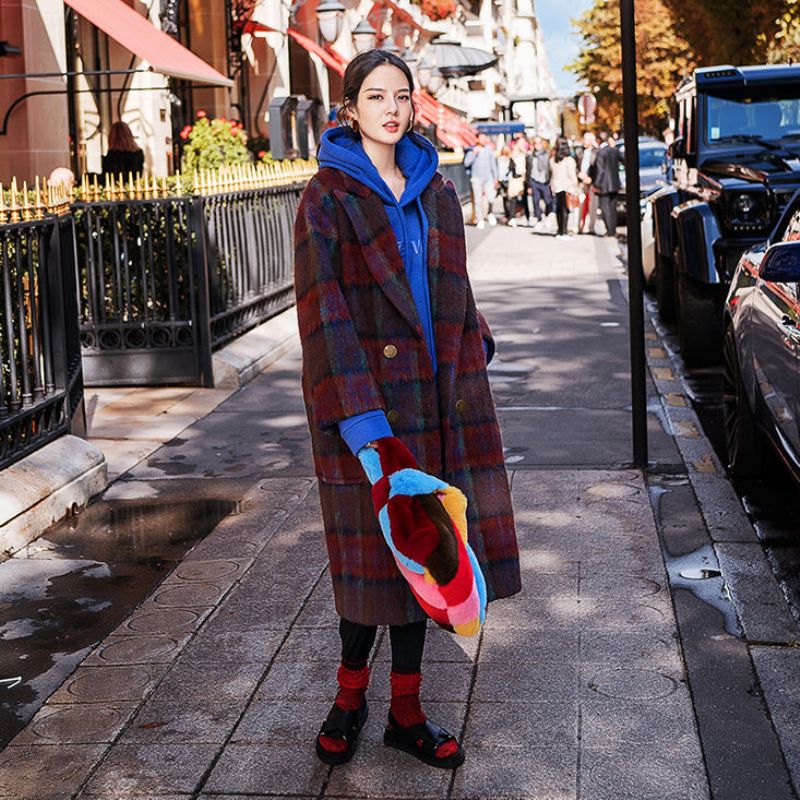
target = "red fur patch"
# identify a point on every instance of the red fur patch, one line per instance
(414, 535)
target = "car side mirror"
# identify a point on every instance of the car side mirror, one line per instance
(781, 263)
(678, 148)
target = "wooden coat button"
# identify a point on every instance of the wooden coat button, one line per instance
(461, 406)
(392, 416)
(390, 351)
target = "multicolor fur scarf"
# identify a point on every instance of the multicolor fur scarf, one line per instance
(424, 522)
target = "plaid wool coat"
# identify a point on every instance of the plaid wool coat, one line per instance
(364, 349)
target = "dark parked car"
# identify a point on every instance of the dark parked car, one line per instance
(736, 163)
(762, 352)
(651, 172)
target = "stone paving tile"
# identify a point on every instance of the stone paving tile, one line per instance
(280, 721)
(212, 681)
(499, 773)
(220, 571)
(323, 645)
(75, 723)
(629, 683)
(382, 772)
(651, 649)
(138, 769)
(237, 615)
(42, 773)
(268, 769)
(613, 725)
(440, 646)
(198, 721)
(109, 684)
(531, 682)
(214, 645)
(671, 771)
(502, 646)
(523, 725)
(304, 680)
(150, 618)
(188, 595)
(125, 650)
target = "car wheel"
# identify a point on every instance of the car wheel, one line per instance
(665, 288)
(699, 322)
(746, 449)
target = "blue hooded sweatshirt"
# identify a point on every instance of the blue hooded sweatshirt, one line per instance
(418, 162)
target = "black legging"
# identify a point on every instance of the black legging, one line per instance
(562, 212)
(408, 642)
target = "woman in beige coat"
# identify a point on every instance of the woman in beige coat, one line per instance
(563, 181)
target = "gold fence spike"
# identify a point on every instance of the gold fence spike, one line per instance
(96, 191)
(3, 211)
(108, 191)
(38, 205)
(196, 182)
(178, 185)
(163, 191)
(146, 192)
(14, 207)
(27, 211)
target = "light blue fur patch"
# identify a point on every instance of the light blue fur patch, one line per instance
(371, 462)
(480, 582)
(412, 482)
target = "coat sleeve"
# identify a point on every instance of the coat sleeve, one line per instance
(337, 382)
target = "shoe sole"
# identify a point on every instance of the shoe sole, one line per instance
(337, 759)
(391, 740)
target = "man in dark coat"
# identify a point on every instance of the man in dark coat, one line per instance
(348, 275)
(606, 182)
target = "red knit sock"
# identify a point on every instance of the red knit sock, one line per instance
(406, 708)
(352, 688)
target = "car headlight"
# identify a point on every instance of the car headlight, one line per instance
(748, 211)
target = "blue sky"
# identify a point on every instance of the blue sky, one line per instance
(560, 38)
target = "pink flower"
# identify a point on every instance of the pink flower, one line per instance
(262, 153)
(201, 114)
(185, 131)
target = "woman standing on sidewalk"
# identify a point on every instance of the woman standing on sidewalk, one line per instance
(563, 182)
(394, 361)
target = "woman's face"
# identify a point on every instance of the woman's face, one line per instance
(383, 106)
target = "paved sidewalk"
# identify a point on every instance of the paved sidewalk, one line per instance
(576, 688)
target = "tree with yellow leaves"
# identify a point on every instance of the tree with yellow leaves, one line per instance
(663, 58)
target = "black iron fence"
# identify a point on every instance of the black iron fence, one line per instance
(166, 280)
(41, 389)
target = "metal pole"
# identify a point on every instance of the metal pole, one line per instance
(635, 273)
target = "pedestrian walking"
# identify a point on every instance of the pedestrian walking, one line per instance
(123, 155)
(606, 182)
(538, 179)
(563, 183)
(484, 179)
(517, 187)
(588, 210)
(512, 183)
(394, 373)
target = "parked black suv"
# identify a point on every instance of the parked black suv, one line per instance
(736, 164)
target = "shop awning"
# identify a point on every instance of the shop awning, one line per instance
(451, 129)
(496, 128)
(137, 34)
(309, 44)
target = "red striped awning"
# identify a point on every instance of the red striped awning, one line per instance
(330, 57)
(138, 34)
(451, 129)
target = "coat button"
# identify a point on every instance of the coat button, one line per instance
(392, 416)
(390, 351)
(461, 406)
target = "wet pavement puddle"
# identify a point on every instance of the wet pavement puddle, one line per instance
(67, 590)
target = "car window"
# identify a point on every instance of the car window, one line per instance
(792, 232)
(770, 118)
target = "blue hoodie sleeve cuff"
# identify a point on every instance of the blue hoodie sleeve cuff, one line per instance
(363, 428)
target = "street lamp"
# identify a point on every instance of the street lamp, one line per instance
(330, 15)
(363, 36)
(390, 47)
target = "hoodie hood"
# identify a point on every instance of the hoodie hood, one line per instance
(414, 154)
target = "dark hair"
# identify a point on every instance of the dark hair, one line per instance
(358, 70)
(121, 139)
(561, 150)
(603, 136)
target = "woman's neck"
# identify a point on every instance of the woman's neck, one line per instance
(381, 156)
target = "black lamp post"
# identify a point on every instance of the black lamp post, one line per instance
(635, 273)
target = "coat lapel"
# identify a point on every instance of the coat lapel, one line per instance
(379, 246)
(445, 270)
